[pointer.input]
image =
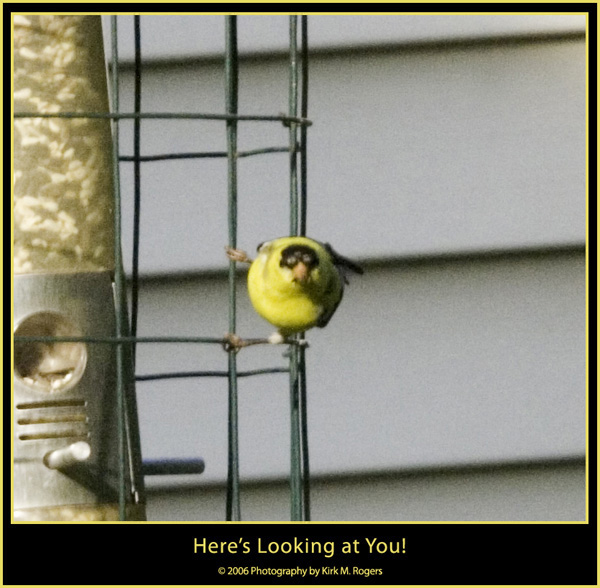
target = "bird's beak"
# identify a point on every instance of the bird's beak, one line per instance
(300, 272)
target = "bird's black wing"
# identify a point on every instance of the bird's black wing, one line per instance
(342, 263)
(329, 312)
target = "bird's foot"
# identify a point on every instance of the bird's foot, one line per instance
(233, 342)
(279, 339)
(237, 255)
(276, 339)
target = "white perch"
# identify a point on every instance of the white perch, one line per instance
(62, 458)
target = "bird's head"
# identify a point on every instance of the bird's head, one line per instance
(302, 260)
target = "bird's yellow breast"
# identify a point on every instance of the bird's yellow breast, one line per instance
(288, 305)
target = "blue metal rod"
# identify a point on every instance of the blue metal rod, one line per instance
(172, 467)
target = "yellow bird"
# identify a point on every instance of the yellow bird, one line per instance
(295, 283)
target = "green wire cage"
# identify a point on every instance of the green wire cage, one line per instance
(119, 344)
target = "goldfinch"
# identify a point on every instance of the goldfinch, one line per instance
(295, 283)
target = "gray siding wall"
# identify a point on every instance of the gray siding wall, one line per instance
(448, 155)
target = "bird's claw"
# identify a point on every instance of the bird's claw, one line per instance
(300, 343)
(233, 342)
(278, 339)
(237, 255)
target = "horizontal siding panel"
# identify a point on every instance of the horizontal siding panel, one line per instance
(412, 152)
(545, 492)
(186, 36)
(423, 365)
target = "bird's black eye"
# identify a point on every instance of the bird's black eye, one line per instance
(289, 261)
(291, 255)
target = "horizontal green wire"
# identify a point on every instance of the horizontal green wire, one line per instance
(204, 154)
(113, 340)
(210, 374)
(164, 115)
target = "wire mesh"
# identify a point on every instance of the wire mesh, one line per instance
(137, 106)
(125, 343)
(233, 510)
(119, 274)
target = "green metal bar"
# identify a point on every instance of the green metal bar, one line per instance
(304, 433)
(261, 151)
(206, 154)
(137, 71)
(210, 374)
(165, 115)
(233, 512)
(292, 113)
(295, 426)
(119, 280)
(302, 230)
(303, 128)
(114, 340)
(295, 441)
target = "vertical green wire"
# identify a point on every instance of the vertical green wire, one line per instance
(295, 443)
(231, 76)
(118, 272)
(295, 427)
(303, 128)
(293, 112)
(136, 180)
(302, 230)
